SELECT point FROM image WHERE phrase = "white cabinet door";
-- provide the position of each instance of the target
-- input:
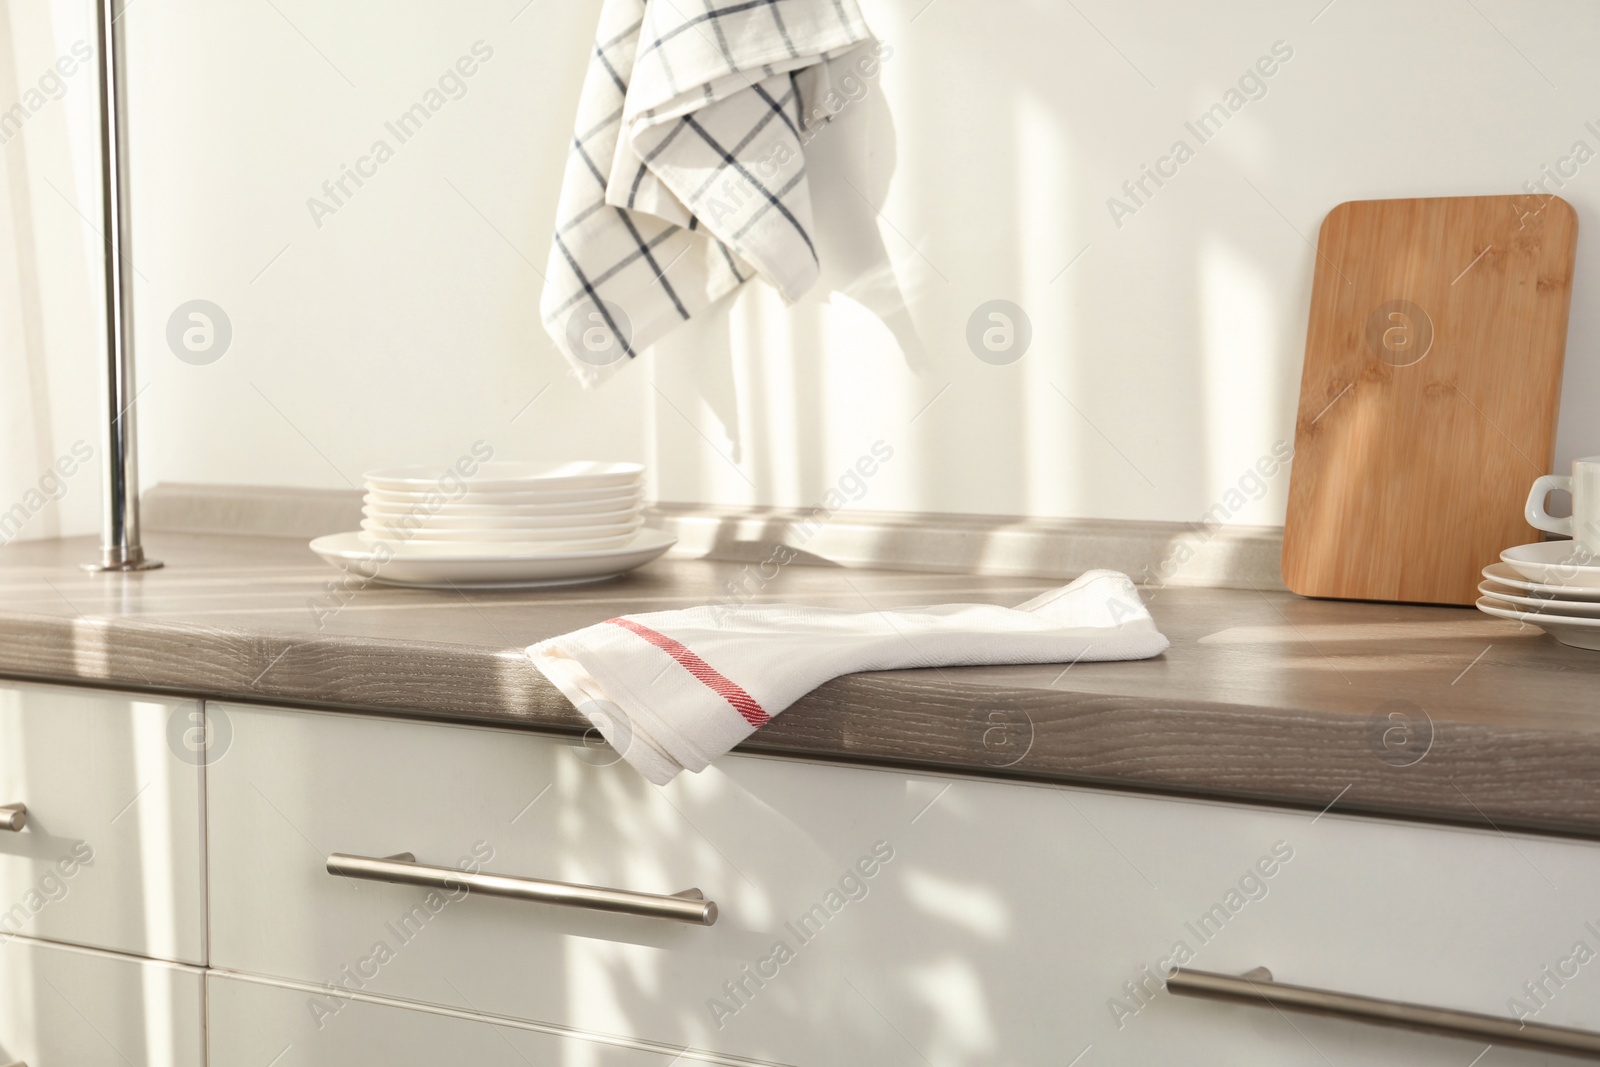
(112, 853)
(869, 916)
(71, 1007)
(254, 1023)
(1032, 919)
(296, 786)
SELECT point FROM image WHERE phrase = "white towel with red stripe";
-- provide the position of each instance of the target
(673, 690)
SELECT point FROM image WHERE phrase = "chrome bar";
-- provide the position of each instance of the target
(120, 548)
(690, 906)
(1259, 989)
(13, 816)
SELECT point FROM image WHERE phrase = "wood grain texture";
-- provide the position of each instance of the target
(1262, 697)
(1429, 397)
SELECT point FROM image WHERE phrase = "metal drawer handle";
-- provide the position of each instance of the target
(1258, 988)
(689, 906)
(13, 817)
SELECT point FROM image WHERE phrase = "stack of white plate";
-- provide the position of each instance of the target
(1554, 585)
(507, 524)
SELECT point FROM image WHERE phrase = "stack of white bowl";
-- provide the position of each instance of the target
(506, 509)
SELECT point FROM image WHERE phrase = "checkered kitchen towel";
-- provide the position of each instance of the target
(687, 172)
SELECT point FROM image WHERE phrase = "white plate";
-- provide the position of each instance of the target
(564, 511)
(1507, 575)
(422, 521)
(538, 498)
(491, 544)
(478, 549)
(390, 530)
(1559, 609)
(433, 569)
(509, 477)
(1579, 633)
(1560, 563)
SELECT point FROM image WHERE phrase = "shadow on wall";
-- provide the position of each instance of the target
(855, 263)
(858, 263)
(997, 195)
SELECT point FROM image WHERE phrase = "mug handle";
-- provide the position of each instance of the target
(1537, 516)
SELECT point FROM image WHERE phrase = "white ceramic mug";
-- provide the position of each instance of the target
(1584, 485)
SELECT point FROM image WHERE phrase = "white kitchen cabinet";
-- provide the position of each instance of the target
(71, 1007)
(112, 854)
(297, 786)
(254, 1022)
(1002, 923)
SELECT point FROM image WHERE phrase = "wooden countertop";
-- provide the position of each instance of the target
(1434, 713)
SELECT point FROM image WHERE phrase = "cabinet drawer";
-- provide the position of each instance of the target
(71, 1007)
(112, 852)
(253, 1022)
(298, 786)
(867, 915)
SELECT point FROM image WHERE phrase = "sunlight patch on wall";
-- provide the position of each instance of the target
(870, 395)
(1238, 324)
(766, 381)
(1048, 241)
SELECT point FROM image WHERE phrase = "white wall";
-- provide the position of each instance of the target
(1163, 362)
(50, 325)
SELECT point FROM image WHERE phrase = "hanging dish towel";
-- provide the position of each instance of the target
(673, 690)
(687, 171)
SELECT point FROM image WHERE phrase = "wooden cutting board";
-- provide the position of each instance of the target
(1429, 399)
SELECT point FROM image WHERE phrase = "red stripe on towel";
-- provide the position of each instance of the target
(742, 702)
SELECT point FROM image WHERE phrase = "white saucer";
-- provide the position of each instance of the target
(1507, 575)
(447, 567)
(1546, 606)
(1579, 633)
(1550, 563)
